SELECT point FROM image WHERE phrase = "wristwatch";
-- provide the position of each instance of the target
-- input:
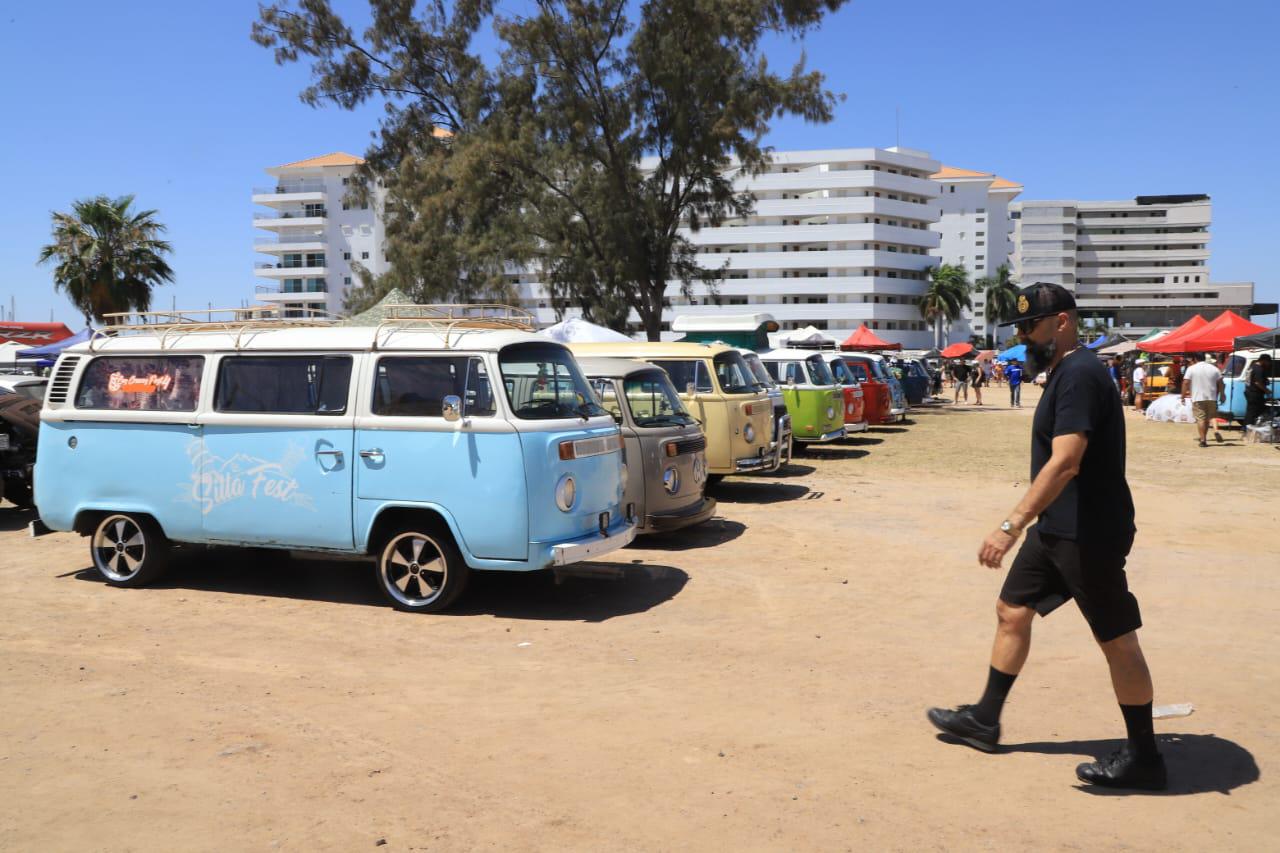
(1009, 527)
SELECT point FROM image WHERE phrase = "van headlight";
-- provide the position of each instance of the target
(749, 433)
(831, 413)
(566, 492)
(671, 480)
(699, 468)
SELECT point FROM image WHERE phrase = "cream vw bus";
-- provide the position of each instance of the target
(721, 393)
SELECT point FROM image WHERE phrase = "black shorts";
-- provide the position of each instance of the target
(1050, 571)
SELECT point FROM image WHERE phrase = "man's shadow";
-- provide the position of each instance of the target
(1197, 763)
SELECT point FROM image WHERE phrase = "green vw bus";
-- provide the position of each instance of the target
(814, 400)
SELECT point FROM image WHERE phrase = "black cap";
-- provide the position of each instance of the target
(1041, 299)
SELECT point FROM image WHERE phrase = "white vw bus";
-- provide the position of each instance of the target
(436, 445)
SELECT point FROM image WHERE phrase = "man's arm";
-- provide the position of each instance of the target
(1062, 468)
(1186, 386)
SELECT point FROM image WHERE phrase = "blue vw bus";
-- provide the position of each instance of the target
(436, 447)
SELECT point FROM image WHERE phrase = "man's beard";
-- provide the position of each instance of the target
(1040, 356)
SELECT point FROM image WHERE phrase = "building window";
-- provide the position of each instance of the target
(346, 281)
(364, 256)
(346, 256)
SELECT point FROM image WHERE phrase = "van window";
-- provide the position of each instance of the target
(608, 397)
(415, 386)
(543, 382)
(684, 372)
(284, 384)
(653, 400)
(142, 383)
(857, 370)
(819, 373)
(841, 372)
(786, 372)
(734, 375)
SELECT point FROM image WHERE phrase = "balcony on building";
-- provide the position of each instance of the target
(293, 266)
(290, 193)
(306, 216)
(312, 290)
(287, 243)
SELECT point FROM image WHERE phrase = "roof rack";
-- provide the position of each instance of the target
(445, 319)
(172, 324)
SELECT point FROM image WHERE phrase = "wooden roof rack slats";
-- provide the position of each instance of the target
(446, 319)
(171, 324)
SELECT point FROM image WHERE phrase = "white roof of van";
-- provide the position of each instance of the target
(792, 352)
(310, 339)
(719, 322)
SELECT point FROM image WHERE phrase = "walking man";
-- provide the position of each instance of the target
(1076, 549)
(960, 373)
(1203, 381)
(1014, 374)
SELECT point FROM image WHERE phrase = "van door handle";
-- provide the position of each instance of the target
(337, 453)
(374, 453)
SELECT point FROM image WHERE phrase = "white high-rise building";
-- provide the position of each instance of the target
(1138, 263)
(976, 233)
(316, 234)
(838, 237)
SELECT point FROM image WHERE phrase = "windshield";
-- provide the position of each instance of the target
(734, 375)
(819, 373)
(653, 400)
(1234, 366)
(543, 382)
(877, 370)
(840, 370)
(757, 370)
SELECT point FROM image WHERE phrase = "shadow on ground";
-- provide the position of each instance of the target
(586, 592)
(12, 518)
(837, 451)
(755, 492)
(713, 532)
(1197, 764)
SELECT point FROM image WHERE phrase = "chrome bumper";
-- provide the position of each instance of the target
(752, 463)
(860, 426)
(695, 514)
(831, 436)
(575, 552)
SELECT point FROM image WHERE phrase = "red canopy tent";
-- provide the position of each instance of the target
(865, 339)
(957, 351)
(1172, 342)
(1219, 335)
(33, 334)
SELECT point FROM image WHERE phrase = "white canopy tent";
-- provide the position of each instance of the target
(576, 330)
(8, 353)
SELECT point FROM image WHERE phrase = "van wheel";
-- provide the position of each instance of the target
(129, 550)
(421, 570)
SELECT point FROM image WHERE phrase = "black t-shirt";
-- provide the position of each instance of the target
(1095, 506)
(960, 372)
(1257, 381)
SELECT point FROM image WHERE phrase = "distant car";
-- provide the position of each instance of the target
(31, 387)
(19, 427)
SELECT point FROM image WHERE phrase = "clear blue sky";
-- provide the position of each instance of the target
(1092, 100)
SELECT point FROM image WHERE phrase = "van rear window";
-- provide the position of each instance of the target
(284, 384)
(141, 383)
(417, 386)
(684, 372)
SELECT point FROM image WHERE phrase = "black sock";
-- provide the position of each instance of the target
(987, 711)
(1142, 733)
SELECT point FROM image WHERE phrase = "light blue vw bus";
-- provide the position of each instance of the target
(435, 446)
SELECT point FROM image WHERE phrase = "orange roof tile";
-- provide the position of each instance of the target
(1002, 184)
(337, 158)
(953, 172)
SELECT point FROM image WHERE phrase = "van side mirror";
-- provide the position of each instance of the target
(689, 388)
(451, 408)
(617, 418)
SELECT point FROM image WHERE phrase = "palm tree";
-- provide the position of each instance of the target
(945, 297)
(108, 257)
(1002, 298)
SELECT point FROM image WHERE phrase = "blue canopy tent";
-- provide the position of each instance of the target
(48, 353)
(1019, 352)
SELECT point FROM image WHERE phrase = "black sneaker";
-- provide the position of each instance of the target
(962, 724)
(1123, 769)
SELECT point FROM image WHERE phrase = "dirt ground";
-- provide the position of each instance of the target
(758, 683)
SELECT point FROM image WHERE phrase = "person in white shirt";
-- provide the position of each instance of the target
(1203, 381)
(1139, 381)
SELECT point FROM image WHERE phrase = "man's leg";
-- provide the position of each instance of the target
(1140, 764)
(1202, 427)
(979, 725)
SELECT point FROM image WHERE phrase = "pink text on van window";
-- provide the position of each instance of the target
(148, 384)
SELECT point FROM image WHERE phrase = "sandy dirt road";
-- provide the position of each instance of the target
(759, 683)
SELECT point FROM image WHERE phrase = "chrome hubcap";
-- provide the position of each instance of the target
(413, 569)
(119, 547)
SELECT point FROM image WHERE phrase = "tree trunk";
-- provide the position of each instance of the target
(650, 309)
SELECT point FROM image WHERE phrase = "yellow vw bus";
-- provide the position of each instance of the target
(719, 390)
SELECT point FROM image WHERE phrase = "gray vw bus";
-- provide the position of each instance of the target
(666, 470)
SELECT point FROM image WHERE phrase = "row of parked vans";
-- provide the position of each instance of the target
(444, 440)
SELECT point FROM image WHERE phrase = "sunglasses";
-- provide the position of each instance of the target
(1024, 327)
